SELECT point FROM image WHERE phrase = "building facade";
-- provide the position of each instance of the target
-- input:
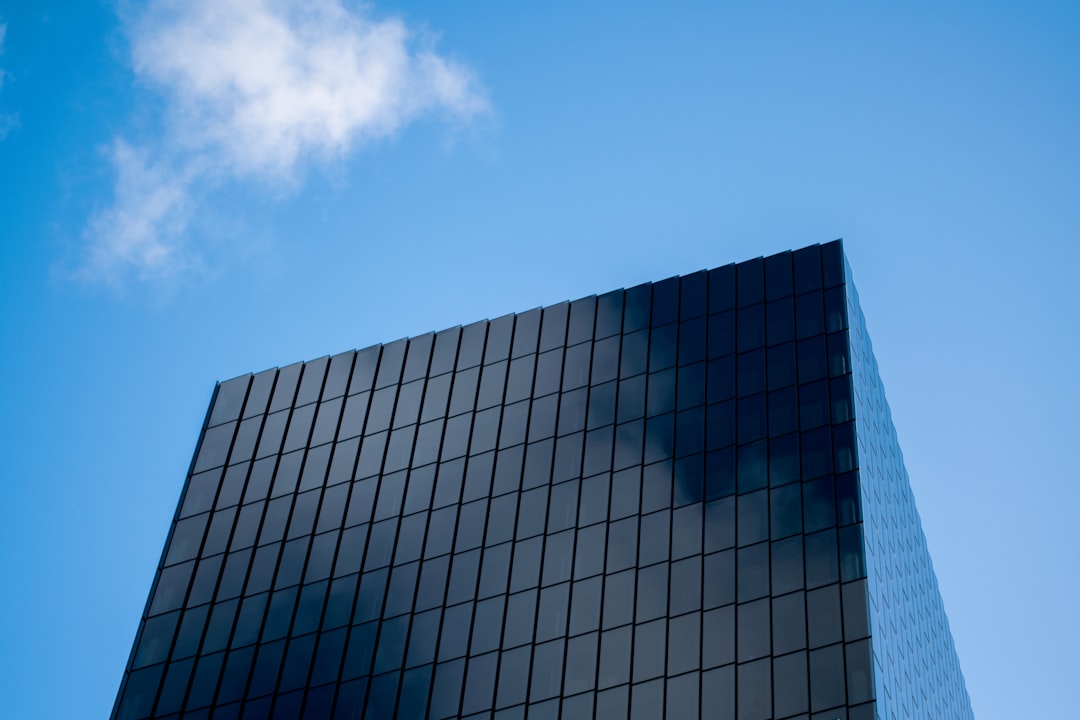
(681, 500)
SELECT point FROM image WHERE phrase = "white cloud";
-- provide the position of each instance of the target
(255, 90)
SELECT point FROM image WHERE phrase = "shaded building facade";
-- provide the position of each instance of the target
(680, 500)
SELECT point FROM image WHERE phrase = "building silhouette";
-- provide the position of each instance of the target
(681, 500)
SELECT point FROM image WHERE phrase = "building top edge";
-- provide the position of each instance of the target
(836, 246)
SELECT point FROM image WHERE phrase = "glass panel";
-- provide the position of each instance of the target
(495, 570)
(785, 507)
(856, 610)
(755, 697)
(750, 281)
(615, 657)
(456, 626)
(789, 623)
(787, 565)
(526, 332)
(622, 545)
(823, 616)
(171, 588)
(547, 670)
(650, 641)
(609, 310)
(491, 385)
(520, 615)
(558, 557)
(691, 386)
(722, 334)
(421, 484)
(399, 595)
(827, 686)
(686, 532)
(259, 395)
(655, 538)
(809, 315)
(585, 607)
(684, 643)
(619, 599)
(229, 400)
(752, 620)
(526, 568)
(581, 656)
(432, 587)
(689, 479)
(553, 334)
(554, 610)
(722, 288)
(752, 466)
(860, 681)
(751, 418)
(790, 685)
(390, 365)
(548, 372)
(445, 351)
(807, 269)
(480, 683)
(753, 572)
(214, 448)
(572, 411)
(472, 345)
(582, 315)
(832, 263)
(635, 354)
(576, 367)
(852, 564)
(312, 381)
(662, 347)
(606, 360)
(562, 506)
(285, 388)
(498, 339)
(156, 639)
(652, 592)
(513, 677)
(479, 476)
(488, 626)
(625, 491)
(718, 693)
(425, 633)
(508, 466)
(446, 689)
(464, 392)
(602, 404)
(542, 418)
(778, 276)
(835, 310)
(821, 559)
(337, 375)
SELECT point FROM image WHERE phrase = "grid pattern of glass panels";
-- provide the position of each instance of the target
(636, 505)
(917, 672)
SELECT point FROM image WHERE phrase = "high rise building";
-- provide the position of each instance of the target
(681, 500)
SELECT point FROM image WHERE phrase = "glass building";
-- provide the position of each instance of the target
(681, 500)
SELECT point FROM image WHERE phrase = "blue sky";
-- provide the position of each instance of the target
(190, 191)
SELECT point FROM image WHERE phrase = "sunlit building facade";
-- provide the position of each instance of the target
(681, 500)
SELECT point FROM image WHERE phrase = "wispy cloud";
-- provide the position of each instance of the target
(3, 34)
(141, 231)
(8, 121)
(255, 90)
